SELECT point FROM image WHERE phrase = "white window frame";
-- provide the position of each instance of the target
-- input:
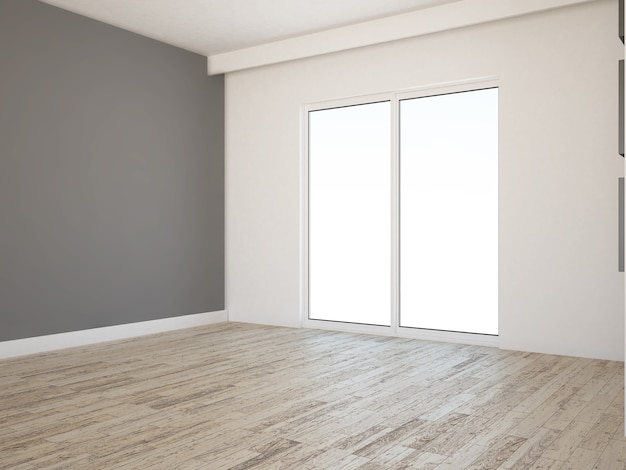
(395, 329)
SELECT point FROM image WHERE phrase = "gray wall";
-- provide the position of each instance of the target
(111, 176)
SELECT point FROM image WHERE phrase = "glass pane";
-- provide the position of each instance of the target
(449, 212)
(349, 214)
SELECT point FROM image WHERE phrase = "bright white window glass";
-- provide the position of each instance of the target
(349, 214)
(449, 212)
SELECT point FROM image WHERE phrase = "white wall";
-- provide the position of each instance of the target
(560, 291)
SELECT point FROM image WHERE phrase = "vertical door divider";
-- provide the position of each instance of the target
(395, 214)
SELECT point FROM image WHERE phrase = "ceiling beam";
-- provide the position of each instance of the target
(431, 20)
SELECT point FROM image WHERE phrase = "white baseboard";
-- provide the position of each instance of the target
(38, 344)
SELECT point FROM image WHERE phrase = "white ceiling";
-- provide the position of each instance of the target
(211, 27)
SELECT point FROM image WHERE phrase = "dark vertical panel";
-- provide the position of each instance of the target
(620, 224)
(111, 176)
(620, 130)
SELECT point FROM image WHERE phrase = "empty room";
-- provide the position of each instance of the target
(281, 234)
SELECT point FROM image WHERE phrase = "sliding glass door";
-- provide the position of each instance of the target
(402, 205)
(449, 212)
(350, 214)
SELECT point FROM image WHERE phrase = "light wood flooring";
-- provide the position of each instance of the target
(244, 396)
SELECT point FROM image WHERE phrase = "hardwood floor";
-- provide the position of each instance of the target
(244, 396)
